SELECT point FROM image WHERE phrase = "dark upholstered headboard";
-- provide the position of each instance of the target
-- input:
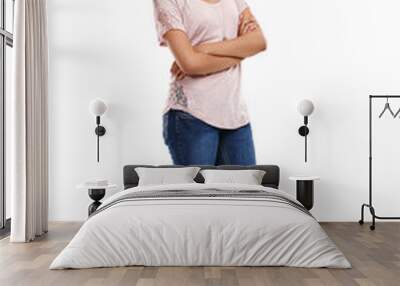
(271, 177)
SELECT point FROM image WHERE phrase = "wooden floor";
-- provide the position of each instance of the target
(375, 257)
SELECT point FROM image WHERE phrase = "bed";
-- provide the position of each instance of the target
(200, 224)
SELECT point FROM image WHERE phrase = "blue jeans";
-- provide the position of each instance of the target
(193, 142)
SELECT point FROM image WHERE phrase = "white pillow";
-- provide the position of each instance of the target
(247, 177)
(166, 176)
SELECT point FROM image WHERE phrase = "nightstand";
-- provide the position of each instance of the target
(305, 190)
(96, 193)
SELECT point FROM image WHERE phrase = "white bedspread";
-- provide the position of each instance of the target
(200, 232)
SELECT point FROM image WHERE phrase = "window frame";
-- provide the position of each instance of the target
(6, 39)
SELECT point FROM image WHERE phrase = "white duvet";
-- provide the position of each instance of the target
(200, 232)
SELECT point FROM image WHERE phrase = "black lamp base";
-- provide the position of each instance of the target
(304, 131)
(100, 130)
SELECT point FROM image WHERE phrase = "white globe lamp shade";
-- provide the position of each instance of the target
(305, 107)
(97, 107)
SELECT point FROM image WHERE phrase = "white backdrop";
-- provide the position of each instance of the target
(333, 52)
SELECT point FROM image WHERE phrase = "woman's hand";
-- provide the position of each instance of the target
(177, 71)
(247, 24)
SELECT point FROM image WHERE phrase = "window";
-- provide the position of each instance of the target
(6, 44)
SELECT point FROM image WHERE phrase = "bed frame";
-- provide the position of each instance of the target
(271, 177)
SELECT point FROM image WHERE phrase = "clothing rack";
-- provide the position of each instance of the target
(370, 204)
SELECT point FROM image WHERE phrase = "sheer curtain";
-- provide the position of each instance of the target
(28, 123)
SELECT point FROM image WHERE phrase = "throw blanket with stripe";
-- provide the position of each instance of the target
(205, 194)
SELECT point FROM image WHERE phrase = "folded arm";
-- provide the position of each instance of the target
(248, 43)
(193, 62)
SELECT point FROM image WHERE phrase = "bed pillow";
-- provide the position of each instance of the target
(166, 176)
(247, 177)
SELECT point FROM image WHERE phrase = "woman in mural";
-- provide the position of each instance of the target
(206, 121)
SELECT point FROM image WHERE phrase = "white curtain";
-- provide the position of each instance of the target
(28, 123)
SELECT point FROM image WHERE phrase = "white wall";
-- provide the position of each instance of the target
(333, 52)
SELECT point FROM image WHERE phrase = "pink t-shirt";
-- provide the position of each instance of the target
(215, 99)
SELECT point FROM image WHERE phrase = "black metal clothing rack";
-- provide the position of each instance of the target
(370, 204)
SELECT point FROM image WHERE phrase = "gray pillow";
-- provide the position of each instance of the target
(247, 177)
(166, 176)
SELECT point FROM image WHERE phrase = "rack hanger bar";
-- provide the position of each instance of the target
(384, 96)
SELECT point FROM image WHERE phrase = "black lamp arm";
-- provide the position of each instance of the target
(304, 131)
(99, 131)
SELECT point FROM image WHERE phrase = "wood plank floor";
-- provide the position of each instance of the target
(375, 257)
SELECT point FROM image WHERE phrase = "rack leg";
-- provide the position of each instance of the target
(374, 216)
(372, 210)
(361, 221)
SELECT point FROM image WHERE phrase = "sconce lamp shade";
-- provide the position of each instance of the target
(305, 107)
(97, 107)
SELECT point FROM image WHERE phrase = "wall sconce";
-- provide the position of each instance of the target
(97, 107)
(305, 108)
